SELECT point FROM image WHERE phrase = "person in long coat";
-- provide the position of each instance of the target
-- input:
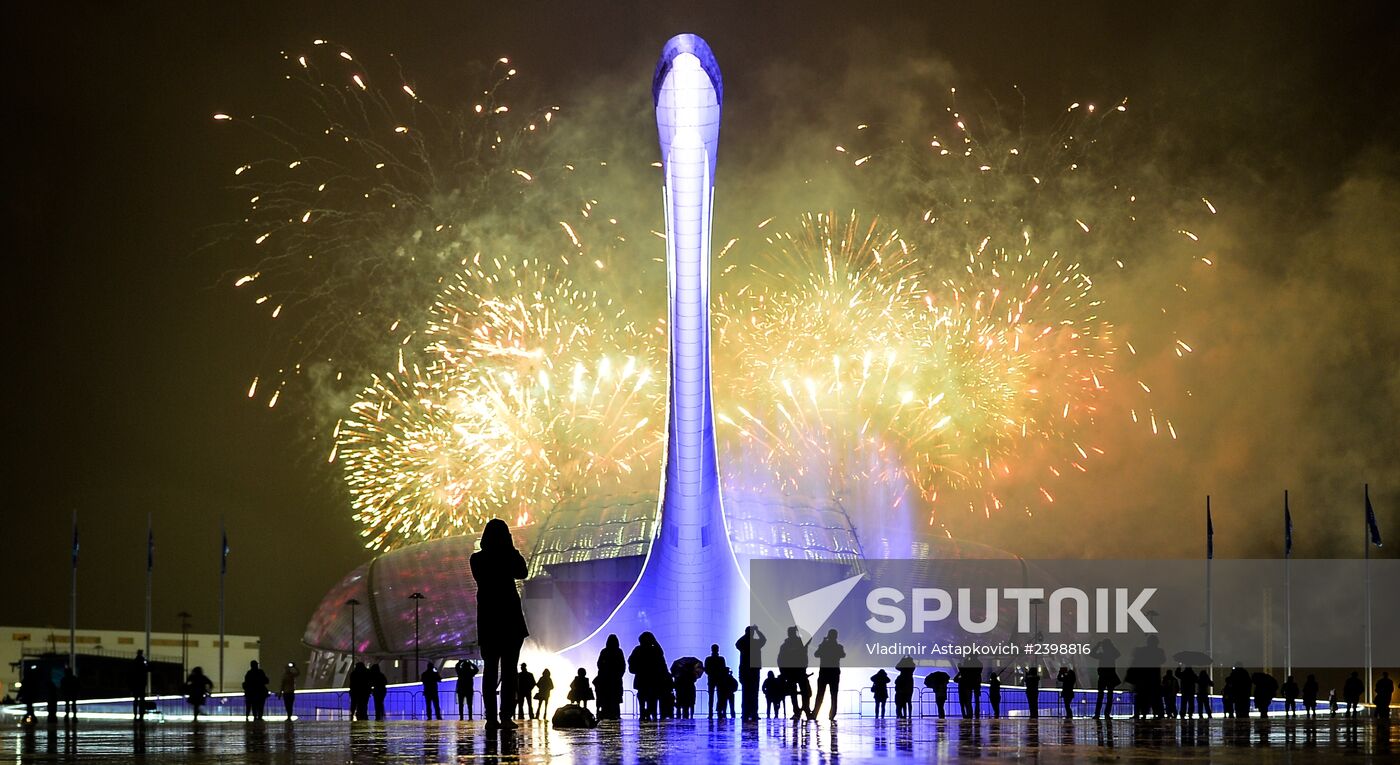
(650, 675)
(500, 619)
(612, 665)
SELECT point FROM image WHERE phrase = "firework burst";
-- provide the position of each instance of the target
(368, 200)
(846, 342)
(538, 390)
(961, 357)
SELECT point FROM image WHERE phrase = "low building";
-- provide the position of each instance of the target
(199, 650)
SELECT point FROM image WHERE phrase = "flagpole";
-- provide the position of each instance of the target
(1210, 557)
(1287, 589)
(1366, 544)
(223, 570)
(73, 602)
(150, 564)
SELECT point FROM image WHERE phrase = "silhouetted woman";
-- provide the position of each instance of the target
(543, 689)
(579, 690)
(197, 689)
(255, 682)
(500, 621)
(880, 689)
(287, 690)
(1032, 683)
(611, 666)
(903, 687)
(650, 677)
(358, 680)
(377, 688)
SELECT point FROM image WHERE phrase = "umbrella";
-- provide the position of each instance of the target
(1192, 657)
(936, 679)
(684, 663)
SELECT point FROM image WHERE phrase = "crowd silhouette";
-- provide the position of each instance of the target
(669, 690)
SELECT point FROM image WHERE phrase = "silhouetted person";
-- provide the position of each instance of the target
(466, 676)
(650, 675)
(500, 622)
(1032, 681)
(776, 695)
(666, 698)
(750, 646)
(938, 681)
(432, 703)
(1146, 677)
(829, 654)
(1290, 695)
(611, 667)
(1332, 703)
(792, 668)
(1310, 697)
(880, 690)
(137, 673)
(715, 668)
(358, 680)
(255, 682)
(198, 686)
(1106, 654)
(68, 689)
(683, 680)
(1170, 687)
(33, 679)
(1203, 688)
(377, 688)
(969, 682)
(1238, 683)
(1351, 693)
(1265, 688)
(728, 688)
(543, 688)
(51, 685)
(287, 689)
(525, 694)
(1384, 689)
(994, 692)
(1066, 679)
(580, 692)
(904, 688)
(1186, 682)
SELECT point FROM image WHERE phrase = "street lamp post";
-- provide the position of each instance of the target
(353, 645)
(184, 642)
(416, 598)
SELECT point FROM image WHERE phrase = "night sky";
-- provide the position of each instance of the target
(130, 353)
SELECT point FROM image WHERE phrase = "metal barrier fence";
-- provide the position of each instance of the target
(406, 702)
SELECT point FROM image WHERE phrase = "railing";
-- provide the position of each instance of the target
(406, 702)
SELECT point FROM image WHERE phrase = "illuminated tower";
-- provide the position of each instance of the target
(690, 590)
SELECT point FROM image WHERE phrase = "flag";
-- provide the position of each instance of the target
(75, 540)
(1210, 533)
(1371, 527)
(1287, 528)
(223, 557)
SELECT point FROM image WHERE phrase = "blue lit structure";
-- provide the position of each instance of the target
(585, 557)
(690, 590)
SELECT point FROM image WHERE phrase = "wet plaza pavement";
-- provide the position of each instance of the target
(855, 739)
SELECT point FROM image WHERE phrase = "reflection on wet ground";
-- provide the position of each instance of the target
(852, 739)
